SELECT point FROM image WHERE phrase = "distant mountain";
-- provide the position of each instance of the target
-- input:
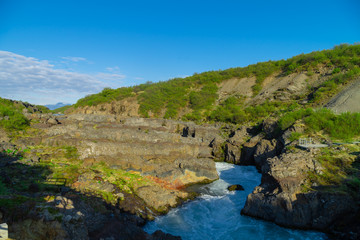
(57, 105)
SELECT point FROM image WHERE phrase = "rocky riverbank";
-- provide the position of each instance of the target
(119, 172)
(290, 193)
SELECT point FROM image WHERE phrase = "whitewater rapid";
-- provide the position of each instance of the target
(215, 214)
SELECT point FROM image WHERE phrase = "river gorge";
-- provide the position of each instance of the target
(216, 213)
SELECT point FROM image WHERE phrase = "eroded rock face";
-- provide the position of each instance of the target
(171, 151)
(280, 198)
(264, 149)
(248, 150)
(233, 146)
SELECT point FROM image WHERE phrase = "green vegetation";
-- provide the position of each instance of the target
(204, 98)
(232, 110)
(42, 109)
(171, 95)
(61, 109)
(331, 86)
(126, 181)
(345, 126)
(341, 171)
(63, 164)
(106, 95)
(11, 117)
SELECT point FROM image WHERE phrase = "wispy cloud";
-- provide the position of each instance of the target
(74, 59)
(110, 76)
(113, 69)
(38, 81)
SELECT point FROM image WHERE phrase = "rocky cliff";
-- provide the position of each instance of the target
(288, 194)
(176, 154)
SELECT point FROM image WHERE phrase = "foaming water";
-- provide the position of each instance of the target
(216, 213)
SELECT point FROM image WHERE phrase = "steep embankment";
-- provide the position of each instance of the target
(307, 79)
(347, 100)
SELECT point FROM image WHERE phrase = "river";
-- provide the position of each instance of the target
(216, 215)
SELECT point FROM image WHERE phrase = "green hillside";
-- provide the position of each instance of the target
(11, 116)
(198, 93)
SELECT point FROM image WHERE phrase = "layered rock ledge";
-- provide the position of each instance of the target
(174, 153)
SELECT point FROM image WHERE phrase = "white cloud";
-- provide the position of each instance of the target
(113, 69)
(39, 82)
(74, 59)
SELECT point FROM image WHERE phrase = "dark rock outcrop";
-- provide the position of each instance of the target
(263, 150)
(235, 187)
(281, 199)
(248, 150)
(233, 147)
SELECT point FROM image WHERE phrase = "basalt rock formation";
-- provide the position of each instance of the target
(167, 155)
(281, 197)
(177, 153)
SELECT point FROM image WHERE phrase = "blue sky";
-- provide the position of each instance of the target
(52, 51)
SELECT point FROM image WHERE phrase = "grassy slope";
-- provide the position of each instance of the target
(11, 116)
(199, 92)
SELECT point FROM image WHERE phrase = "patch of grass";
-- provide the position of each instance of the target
(204, 98)
(108, 197)
(106, 95)
(291, 117)
(126, 181)
(339, 171)
(171, 95)
(11, 117)
(345, 126)
(71, 152)
(231, 110)
(295, 136)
